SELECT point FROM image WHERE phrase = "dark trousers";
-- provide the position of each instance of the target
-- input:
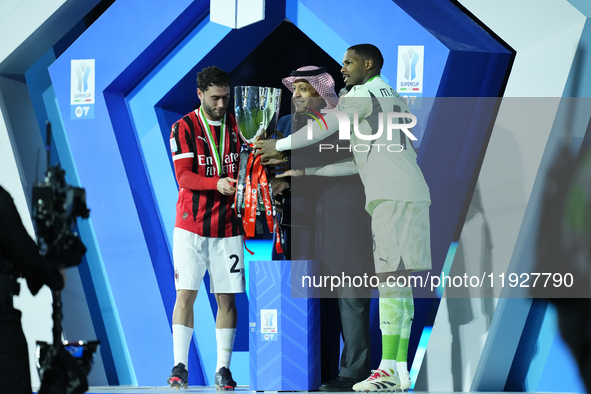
(15, 375)
(343, 245)
(347, 316)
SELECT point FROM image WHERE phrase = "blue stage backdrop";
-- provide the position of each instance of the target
(136, 65)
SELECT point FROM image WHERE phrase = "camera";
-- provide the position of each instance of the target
(56, 205)
(62, 366)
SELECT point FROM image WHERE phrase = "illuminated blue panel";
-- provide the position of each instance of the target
(383, 24)
(99, 160)
(315, 28)
(115, 355)
(560, 362)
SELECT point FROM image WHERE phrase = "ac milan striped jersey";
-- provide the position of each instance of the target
(201, 208)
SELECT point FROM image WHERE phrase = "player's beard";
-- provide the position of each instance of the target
(212, 114)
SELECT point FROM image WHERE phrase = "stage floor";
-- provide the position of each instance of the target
(168, 390)
(203, 390)
(159, 390)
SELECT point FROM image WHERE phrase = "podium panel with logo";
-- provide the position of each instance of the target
(284, 331)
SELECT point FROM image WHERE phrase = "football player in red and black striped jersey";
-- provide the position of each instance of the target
(205, 149)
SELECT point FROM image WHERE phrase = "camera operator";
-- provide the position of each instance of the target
(19, 257)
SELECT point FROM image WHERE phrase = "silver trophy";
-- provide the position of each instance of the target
(256, 110)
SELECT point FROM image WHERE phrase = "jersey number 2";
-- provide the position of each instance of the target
(236, 261)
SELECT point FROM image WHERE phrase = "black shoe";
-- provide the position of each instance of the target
(224, 381)
(179, 377)
(341, 383)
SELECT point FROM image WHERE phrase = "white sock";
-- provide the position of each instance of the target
(225, 341)
(389, 366)
(181, 339)
(402, 368)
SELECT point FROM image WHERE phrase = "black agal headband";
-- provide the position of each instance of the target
(308, 73)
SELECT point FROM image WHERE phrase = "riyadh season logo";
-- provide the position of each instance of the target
(405, 121)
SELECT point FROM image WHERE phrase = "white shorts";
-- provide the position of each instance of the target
(401, 236)
(222, 257)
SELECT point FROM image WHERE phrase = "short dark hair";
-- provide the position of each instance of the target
(369, 51)
(211, 76)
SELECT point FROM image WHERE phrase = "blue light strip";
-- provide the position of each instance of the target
(449, 259)
(547, 332)
(420, 355)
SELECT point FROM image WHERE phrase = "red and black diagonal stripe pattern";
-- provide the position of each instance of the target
(206, 212)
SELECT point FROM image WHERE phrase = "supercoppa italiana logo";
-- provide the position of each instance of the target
(82, 73)
(403, 125)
